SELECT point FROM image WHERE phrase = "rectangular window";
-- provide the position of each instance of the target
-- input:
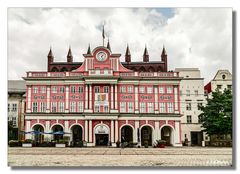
(43, 106)
(162, 108)
(105, 108)
(43, 89)
(80, 89)
(97, 89)
(188, 92)
(97, 108)
(188, 105)
(229, 86)
(142, 89)
(54, 107)
(14, 107)
(72, 106)
(150, 107)
(61, 106)
(161, 90)
(189, 119)
(35, 107)
(219, 86)
(200, 119)
(149, 90)
(106, 89)
(199, 105)
(73, 89)
(169, 89)
(123, 107)
(122, 89)
(130, 89)
(142, 107)
(62, 89)
(80, 106)
(196, 92)
(35, 90)
(130, 107)
(170, 107)
(14, 121)
(8, 107)
(54, 89)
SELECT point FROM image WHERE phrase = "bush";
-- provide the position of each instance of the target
(45, 144)
(161, 142)
(14, 143)
(28, 141)
(146, 144)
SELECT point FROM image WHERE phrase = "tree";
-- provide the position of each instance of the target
(217, 114)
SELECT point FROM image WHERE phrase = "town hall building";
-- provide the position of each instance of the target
(102, 99)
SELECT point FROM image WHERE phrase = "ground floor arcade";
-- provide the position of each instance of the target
(99, 131)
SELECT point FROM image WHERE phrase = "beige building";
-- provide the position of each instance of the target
(191, 97)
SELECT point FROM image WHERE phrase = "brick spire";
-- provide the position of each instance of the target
(145, 55)
(69, 55)
(127, 55)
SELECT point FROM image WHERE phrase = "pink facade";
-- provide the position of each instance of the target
(105, 99)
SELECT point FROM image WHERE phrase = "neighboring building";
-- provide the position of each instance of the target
(191, 97)
(16, 106)
(222, 80)
(101, 99)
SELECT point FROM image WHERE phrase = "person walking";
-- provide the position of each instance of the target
(123, 140)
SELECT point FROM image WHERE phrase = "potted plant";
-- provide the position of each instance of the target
(161, 143)
(118, 144)
(146, 144)
(27, 143)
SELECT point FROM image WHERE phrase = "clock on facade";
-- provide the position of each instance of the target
(101, 56)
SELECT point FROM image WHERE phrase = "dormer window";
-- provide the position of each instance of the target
(223, 76)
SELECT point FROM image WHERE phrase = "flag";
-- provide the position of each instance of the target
(103, 34)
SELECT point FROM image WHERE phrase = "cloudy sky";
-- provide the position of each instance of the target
(193, 37)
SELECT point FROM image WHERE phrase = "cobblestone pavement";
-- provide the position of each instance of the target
(169, 156)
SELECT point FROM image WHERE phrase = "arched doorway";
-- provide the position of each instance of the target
(38, 136)
(146, 135)
(127, 133)
(57, 128)
(76, 134)
(167, 135)
(101, 135)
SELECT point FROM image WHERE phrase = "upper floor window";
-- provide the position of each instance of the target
(43, 106)
(219, 86)
(72, 106)
(229, 86)
(54, 89)
(73, 89)
(14, 121)
(150, 107)
(106, 108)
(188, 105)
(199, 105)
(161, 90)
(200, 119)
(35, 90)
(80, 89)
(189, 119)
(54, 107)
(122, 106)
(80, 106)
(43, 89)
(130, 89)
(169, 89)
(196, 92)
(62, 89)
(142, 89)
(34, 107)
(8, 107)
(97, 89)
(61, 106)
(106, 89)
(149, 90)
(162, 108)
(223, 76)
(170, 107)
(130, 107)
(122, 89)
(142, 107)
(14, 107)
(97, 108)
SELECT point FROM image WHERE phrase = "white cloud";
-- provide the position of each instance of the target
(196, 37)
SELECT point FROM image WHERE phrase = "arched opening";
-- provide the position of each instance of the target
(146, 135)
(127, 133)
(54, 69)
(159, 69)
(151, 69)
(167, 135)
(142, 69)
(38, 136)
(56, 129)
(76, 134)
(101, 132)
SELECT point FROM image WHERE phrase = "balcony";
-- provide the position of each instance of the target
(100, 72)
(150, 74)
(53, 74)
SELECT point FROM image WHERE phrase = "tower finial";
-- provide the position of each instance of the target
(108, 45)
(103, 34)
(145, 55)
(127, 55)
(69, 55)
(89, 49)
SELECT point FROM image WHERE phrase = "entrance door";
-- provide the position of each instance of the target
(101, 139)
(196, 138)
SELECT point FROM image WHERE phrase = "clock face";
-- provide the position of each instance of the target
(101, 56)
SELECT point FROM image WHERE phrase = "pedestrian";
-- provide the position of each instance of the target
(123, 140)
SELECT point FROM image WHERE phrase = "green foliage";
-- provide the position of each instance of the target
(161, 142)
(217, 114)
(28, 141)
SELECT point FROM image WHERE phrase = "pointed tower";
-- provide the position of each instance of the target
(145, 55)
(69, 56)
(108, 45)
(164, 58)
(50, 58)
(89, 50)
(127, 55)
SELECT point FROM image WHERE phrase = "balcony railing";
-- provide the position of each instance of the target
(100, 72)
(150, 74)
(53, 74)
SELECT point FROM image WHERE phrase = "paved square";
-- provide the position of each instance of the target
(156, 157)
